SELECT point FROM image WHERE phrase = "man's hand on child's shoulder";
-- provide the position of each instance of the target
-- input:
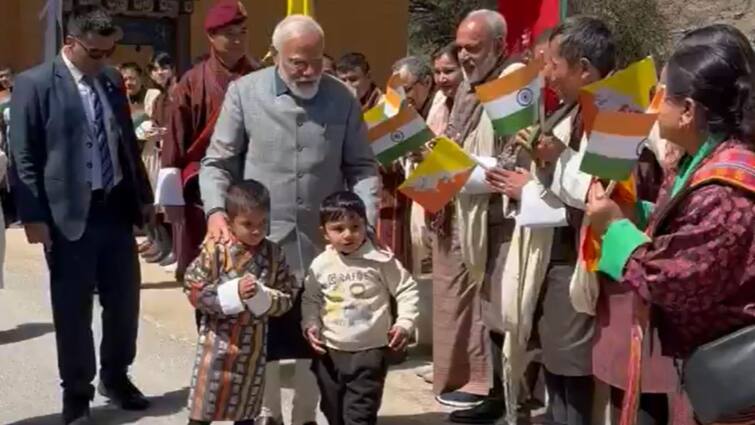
(247, 287)
(398, 338)
(313, 337)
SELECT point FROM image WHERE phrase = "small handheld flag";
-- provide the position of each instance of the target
(438, 178)
(512, 101)
(627, 90)
(616, 143)
(398, 135)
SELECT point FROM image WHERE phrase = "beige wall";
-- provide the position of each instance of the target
(376, 28)
(21, 33)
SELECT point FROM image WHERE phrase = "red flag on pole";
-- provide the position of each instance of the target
(528, 19)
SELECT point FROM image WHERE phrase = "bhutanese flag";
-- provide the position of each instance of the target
(615, 143)
(441, 175)
(627, 90)
(624, 193)
(375, 115)
(512, 101)
(389, 105)
(396, 136)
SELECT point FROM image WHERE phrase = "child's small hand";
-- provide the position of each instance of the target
(313, 337)
(398, 338)
(247, 287)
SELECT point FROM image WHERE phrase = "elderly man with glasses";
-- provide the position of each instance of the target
(300, 132)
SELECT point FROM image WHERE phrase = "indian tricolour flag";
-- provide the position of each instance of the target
(512, 101)
(396, 136)
(615, 143)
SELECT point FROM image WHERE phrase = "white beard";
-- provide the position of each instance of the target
(302, 93)
(307, 93)
(481, 71)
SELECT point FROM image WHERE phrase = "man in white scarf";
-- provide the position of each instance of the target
(542, 256)
(470, 236)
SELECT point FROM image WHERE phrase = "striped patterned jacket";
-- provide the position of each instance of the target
(228, 378)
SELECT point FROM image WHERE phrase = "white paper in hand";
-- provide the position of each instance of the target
(261, 302)
(537, 211)
(476, 184)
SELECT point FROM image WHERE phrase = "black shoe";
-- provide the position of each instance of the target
(486, 413)
(125, 394)
(267, 420)
(76, 411)
(460, 399)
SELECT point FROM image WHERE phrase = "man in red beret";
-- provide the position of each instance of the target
(196, 105)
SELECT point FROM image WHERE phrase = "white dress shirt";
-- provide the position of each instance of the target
(94, 164)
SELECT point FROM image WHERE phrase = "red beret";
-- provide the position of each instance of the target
(224, 13)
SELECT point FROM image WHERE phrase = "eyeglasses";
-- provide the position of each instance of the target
(95, 54)
(301, 65)
(410, 87)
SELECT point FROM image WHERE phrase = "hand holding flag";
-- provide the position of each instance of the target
(601, 209)
(438, 178)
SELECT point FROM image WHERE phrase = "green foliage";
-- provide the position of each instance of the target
(638, 25)
(432, 23)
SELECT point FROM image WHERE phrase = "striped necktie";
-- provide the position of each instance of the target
(100, 135)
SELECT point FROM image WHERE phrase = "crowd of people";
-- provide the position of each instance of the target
(256, 184)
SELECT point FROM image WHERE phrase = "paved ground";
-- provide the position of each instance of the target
(29, 392)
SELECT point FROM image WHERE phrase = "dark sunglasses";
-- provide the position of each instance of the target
(95, 54)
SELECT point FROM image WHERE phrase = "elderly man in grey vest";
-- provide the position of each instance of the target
(301, 134)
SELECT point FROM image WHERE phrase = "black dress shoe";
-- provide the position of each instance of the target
(486, 413)
(267, 420)
(124, 394)
(75, 412)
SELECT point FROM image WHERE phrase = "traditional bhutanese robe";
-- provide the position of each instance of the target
(614, 312)
(697, 268)
(195, 100)
(707, 241)
(228, 378)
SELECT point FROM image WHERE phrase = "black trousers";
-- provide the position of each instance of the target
(653, 410)
(496, 353)
(351, 385)
(569, 399)
(104, 257)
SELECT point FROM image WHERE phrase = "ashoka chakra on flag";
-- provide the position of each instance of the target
(512, 101)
